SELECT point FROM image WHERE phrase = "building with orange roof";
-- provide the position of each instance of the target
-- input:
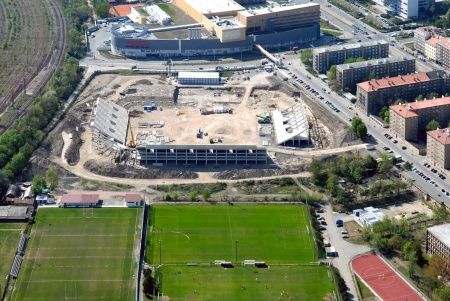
(434, 46)
(438, 147)
(409, 120)
(443, 52)
(430, 48)
(373, 95)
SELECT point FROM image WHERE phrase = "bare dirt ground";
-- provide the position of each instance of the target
(408, 210)
(178, 109)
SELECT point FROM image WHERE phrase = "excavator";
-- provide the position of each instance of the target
(264, 118)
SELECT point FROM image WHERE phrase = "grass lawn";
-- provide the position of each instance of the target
(204, 233)
(80, 254)
(365, 292)
(9, 238)
(297, 283)
(167, 9)
(280, 235)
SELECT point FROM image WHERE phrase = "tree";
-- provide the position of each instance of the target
(419, 97)
(441, 214)
(358, 127)
(102, 10)
(38, 184)
(384, 114)
(370, 162)
(432, 95)
(442, 293)
(372, 75)
(408, 165)
(432, 125)
(385, 164)
(438, 267)
(306, 57)
(192, 196)
(331, 74)
(206, 194)
(318, 174)
(51, 177)
(332, 182)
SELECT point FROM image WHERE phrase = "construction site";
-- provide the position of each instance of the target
(153, 121)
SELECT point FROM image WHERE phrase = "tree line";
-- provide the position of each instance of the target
(19, 141)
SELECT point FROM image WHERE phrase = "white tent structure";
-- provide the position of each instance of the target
(291, 125)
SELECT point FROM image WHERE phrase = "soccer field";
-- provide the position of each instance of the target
(9, 238)
(280, 235)
(80, 254)
(202, 233)
(309, 283)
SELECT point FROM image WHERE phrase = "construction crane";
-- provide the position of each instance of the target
(132, 142)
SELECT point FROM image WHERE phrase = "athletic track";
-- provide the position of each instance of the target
(383, 280)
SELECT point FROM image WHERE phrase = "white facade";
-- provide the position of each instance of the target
(368, 216)
(156, 14)
(198, 78)
(408, 9)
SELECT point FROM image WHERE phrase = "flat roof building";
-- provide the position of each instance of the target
(198, 78)
(16, 213)
(409, 120)
(79, 200)
(438, 240)
(325, 57)
(368, 216)
(438, 147)
(372, 95)
(348, 75)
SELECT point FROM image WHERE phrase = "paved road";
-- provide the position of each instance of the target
(348, 111)
(346, 251)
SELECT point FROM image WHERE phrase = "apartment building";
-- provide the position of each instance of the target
(443, 52)
(325, 57)
(408, 121)
(406, 9)
(432, 45)
(348, 75)
(438, 240)
(372, 95)
(438, 147)
(421, 35)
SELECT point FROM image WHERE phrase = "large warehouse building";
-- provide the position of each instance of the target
(232, 29)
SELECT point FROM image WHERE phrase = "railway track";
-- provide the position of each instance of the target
(52, 62)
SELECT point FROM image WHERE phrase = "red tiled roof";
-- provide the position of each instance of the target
(80, 198)
(408, 110)
(122, 10)
(375, 84)
(441, 135)
(133, 197)
(444, 42)
(433, 40)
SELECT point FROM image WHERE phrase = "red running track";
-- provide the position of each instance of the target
(383, 280)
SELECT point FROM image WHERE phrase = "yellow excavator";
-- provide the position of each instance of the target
(132, 142)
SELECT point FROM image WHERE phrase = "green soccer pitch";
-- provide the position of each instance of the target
(279, 235)
(80, 254)
(9, 239)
